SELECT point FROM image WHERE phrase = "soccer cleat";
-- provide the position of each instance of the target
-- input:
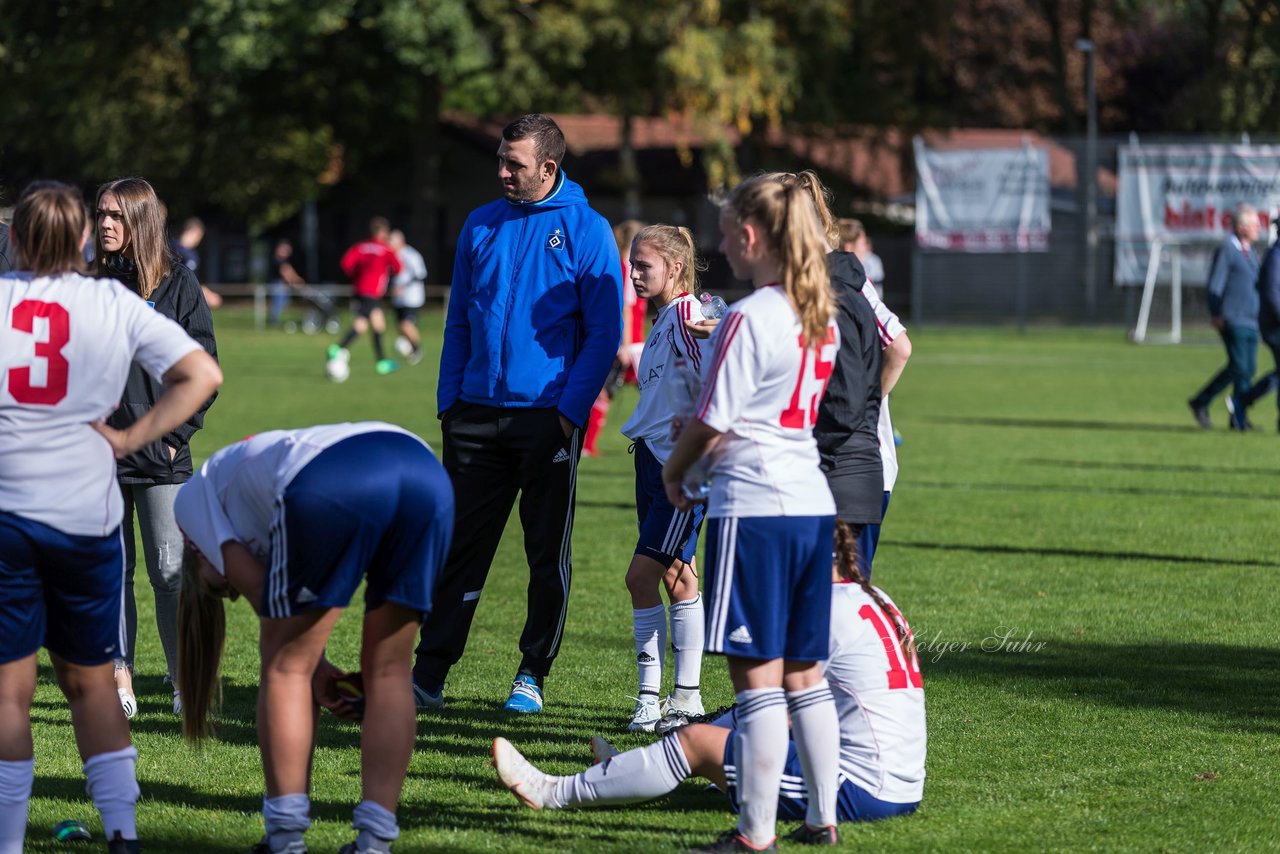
(602, 750)
(806, 835)
(415, 357)
(264, 847)
(339, 353)
(354, 848)
(731, 840)
(424, 699)
(673, 722)
(647, 714)
(526, 696)
(386, 366)
(177, 702)
(128, 702)
(1201, 415)
(530, 786)
(120, 845)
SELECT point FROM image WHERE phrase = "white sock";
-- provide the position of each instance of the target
(15, 795)
(637, 775)
(112, 784)
(650, 627)
(815, 726)
(760, 752)
(286, 818)
(377, 826)
(688, 636)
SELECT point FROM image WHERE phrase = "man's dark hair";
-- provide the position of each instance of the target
(548, 139)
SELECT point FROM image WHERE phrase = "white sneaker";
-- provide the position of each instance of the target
(602, 750)
(679, 711)
(128, 702)
(647, 714)
(526, 782)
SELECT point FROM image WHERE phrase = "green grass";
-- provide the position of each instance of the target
(1053, 489)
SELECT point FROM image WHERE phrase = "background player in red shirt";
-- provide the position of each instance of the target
(370, 264)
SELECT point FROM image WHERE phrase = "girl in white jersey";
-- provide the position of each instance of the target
(770, 513)
(295, 521)
(663, 270)
(875, 676)
(65, 351)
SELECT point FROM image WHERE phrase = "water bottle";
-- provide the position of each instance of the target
(713, 307)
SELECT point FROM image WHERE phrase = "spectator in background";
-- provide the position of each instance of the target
(370, 264)
(185, 248)
(408, 296)
(854, 238)
(1233, 309)
(283, 277)
(1268, 327)
(534, 323)
(131, 248)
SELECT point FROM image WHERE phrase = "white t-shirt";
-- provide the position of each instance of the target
(408, 289)
(669, 341)
(235, 495)
(761, 389)
(66, 343)
(890, 327)
(879, 698)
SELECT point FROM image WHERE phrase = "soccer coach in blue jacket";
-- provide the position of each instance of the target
(534, 323)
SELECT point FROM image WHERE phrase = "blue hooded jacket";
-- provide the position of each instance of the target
(535, 313)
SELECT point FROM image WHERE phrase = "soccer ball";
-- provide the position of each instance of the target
(337, 369)
(404, 347)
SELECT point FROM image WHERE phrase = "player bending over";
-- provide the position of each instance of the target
(875, 678)
(294, 521)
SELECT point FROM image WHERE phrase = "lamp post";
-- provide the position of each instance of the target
(1090, 187)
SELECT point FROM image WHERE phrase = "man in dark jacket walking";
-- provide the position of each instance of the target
(1233, 308)
(534, 322)
(1268, 325)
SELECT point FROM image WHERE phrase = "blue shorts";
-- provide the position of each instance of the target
(853, 803)
(869, 539)
(770, 583)
(666, 534)
(376, 506)
(60, 591)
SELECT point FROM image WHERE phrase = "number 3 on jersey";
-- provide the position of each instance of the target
(54, 388)
(802, 414)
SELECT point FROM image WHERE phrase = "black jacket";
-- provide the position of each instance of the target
(6, 254)
(850, 411)
(178, 298)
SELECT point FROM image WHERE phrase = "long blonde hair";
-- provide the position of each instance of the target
(790, 228)
(674, 244)
(144, 221)
(812, 184)
(202, 633)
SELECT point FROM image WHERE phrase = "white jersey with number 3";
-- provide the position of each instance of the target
(761, 389)
(879, 697)
(66, 343)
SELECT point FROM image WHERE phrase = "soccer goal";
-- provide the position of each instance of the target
(1168, 307)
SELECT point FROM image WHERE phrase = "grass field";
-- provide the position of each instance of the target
(1090, 578)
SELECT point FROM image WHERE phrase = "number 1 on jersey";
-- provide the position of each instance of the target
(904, 670)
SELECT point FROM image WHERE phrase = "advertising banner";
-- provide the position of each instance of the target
(1184, 196)
(982, 200)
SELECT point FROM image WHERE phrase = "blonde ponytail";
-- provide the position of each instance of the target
(202, 631)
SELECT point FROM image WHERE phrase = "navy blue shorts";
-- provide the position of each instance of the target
(666, 534)
(869, 538)
(60, 591)
(375, 506)
(770, 583)
(853, 803)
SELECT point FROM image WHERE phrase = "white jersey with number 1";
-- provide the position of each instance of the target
(66, 343)
(761, 389)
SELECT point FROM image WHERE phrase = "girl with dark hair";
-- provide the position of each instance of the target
(132, 247)
(68, 345)
(265, 520)
(770, 512)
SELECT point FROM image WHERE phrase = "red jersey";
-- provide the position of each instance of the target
(370, 264)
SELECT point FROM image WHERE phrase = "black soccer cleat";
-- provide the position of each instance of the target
(806, 835)
(729, 841)
(119, 845)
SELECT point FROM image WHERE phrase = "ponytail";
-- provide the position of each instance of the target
(849, 563)
(810, 183)
(202, 631)
(788, 219)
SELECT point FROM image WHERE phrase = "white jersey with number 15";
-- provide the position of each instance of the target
(761, 389)
(66, 343)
